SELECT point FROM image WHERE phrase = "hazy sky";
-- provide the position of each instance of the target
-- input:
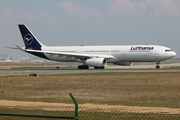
(91, 22)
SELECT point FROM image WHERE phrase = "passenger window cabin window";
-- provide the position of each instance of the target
(168, 50)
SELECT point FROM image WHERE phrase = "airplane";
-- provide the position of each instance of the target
(94, 56)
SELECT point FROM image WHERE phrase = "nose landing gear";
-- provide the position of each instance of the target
(157, 65)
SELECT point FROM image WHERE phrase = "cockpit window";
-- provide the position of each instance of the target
(168, 50)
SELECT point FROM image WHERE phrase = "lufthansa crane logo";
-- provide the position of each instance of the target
(28, 39)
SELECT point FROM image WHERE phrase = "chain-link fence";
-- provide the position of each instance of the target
(39, 110)
(67, 112)
(46, 111)
(105, 114)
(36, 112)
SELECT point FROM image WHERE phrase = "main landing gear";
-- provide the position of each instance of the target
(83, 67)
(98, 67)
(157, 65)
(87, 67)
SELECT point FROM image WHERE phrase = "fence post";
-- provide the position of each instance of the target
(76, 106)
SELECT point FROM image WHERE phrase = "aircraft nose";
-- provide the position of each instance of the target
(174, 54)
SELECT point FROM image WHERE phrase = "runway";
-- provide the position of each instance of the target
(175, 67)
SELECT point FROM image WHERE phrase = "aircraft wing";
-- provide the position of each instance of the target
(78, 55)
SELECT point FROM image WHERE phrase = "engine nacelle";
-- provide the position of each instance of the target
(96, 62)
(124, 63)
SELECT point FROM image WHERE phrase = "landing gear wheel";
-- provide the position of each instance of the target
(83, 67)
(157, 66)
(98, 67)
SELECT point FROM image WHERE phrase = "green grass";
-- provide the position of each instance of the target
(141, 89)
(153, 89)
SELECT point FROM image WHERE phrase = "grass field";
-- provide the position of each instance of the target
(132, 89)
(98, 94)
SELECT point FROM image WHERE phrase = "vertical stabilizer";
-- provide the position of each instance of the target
(30, 41)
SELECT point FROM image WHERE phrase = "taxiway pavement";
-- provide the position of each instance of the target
(134, 68)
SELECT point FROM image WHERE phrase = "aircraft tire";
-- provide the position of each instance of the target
(98, 67)
(157, 66)
(83, 67)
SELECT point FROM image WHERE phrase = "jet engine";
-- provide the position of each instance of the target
(96, 62)
(124, 63)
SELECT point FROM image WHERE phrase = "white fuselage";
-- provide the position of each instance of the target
(95, 56)
(127, 53)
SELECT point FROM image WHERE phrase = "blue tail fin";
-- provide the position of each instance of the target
(29, 39)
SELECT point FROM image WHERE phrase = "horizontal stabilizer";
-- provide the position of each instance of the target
(12, 48)
(20, 48)
(17, 48)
